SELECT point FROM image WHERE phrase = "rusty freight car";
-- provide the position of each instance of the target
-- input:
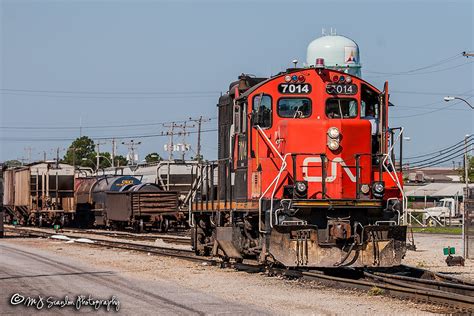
(41, 193)
(143, 205)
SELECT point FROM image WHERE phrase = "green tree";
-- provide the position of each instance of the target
(470, 170)
(105, 160)
(152, 157)
(12, 163)
(81, 153)
(120, 161)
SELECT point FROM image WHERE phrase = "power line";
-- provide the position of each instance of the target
(184, 96)
(436, 64)
(429, 112)
(439, 162)
(19, 139)
(428, 93)
(438, 151)
(90, 127)
(110, 92)
(440, 157)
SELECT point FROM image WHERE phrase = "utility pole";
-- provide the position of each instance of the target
(28, 150)
(199, 121)
(44, 155)
(170, 133)
(184, 146)
(97, 146)
(113, 152)
(466, 197)
(57, 158)
(132, 146)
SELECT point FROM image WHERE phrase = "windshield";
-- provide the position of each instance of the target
(341, 108)
(294, 107)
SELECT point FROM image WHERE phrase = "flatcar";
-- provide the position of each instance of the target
(306, 173)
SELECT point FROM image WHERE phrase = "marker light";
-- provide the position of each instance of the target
(333, 132)
(335, 78)
(301, 78)
(287, 78)
(365, 188)
(333, 144)
(294, 78)
(319, 63)
(348, 79)
(378, 189)
(301, 186)
(342, 78)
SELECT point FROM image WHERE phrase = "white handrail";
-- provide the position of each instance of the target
(395, 178)
(274, 182)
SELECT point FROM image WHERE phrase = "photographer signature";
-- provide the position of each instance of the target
(41, 302)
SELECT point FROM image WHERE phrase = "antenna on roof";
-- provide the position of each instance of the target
(323, 31)
(295, 62)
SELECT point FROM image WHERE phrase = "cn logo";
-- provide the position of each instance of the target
(332, 176)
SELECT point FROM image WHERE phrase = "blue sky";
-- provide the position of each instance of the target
(118, 63)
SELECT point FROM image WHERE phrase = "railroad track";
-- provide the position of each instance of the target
(440, 290)
(172, 239)
(187, 254)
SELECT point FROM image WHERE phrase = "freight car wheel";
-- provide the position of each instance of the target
(139, 226)
(164, 225)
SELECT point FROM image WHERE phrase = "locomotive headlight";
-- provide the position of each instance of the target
(378, 188)
(333, 144)
(301, 186)
(333, 132)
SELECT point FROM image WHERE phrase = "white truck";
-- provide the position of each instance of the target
(441, 212)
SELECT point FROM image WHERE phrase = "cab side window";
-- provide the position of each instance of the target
(262, 110)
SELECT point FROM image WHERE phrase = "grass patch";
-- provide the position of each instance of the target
(438, 230)
(421, 264)
(375, 291)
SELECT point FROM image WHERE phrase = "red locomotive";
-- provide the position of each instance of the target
(306, 174)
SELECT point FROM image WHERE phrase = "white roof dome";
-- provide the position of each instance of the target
(339, 52)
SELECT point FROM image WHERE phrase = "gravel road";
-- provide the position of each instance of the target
(429, 255)
(148, 284)
(33, 272)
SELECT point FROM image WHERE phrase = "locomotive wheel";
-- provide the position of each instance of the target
(62, 221)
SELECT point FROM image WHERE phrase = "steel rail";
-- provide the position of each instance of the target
(187, 254)
(422, 283)
(402, 290)
(184, 240)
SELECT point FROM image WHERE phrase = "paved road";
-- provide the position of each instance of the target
(32, 273)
